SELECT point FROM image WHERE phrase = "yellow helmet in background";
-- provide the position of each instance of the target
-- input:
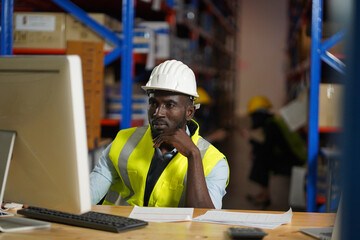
(258, 102)
(204, 97)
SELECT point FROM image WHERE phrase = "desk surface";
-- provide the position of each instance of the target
(179, 230)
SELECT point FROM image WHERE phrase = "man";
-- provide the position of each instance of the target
(165, 164)
(280, 150)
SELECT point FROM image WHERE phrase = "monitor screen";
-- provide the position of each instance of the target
(42, 100)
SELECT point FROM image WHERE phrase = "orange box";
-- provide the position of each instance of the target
(92, 57)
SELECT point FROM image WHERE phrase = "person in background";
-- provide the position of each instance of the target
(165, 164)
(280, 150)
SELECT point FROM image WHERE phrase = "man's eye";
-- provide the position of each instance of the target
(170, 105)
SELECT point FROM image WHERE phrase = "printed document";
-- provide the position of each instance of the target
(158, 214)
(259, 220)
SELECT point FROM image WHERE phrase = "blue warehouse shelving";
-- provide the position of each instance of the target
(123, 46)
(350, 197)
(319, 52)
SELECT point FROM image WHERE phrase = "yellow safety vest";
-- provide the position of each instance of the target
(131, 153)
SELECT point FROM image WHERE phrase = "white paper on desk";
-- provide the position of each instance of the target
(158, 214)
(260, 220)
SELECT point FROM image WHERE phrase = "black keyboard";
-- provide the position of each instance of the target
(95, 220)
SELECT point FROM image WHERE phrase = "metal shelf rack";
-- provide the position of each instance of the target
(319, 52)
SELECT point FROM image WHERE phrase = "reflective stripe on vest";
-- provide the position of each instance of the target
(124, 157)
(113, 196)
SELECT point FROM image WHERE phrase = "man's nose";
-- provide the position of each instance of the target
(160, 110)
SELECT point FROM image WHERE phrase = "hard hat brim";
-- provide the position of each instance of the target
(169, 90)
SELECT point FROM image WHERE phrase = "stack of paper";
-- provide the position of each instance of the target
(158, 214)
(259, 220)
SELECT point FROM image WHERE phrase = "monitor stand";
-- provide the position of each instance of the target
(9, 222)
(7, 140)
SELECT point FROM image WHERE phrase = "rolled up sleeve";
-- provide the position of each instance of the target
(216, 182)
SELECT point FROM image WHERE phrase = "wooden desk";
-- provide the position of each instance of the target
(179, 230)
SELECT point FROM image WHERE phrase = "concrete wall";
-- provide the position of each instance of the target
(262, 40)
(261, 52)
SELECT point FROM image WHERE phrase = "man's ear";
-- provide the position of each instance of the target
(190, 111)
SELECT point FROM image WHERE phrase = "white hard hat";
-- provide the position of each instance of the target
(174, 76)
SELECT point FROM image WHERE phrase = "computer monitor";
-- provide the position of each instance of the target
(41, 99)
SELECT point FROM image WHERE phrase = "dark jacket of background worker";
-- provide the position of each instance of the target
(280, 150)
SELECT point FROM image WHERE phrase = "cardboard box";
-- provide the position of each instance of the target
(77, 31)
(331, 105)
(92, 57)
(328, 30)
(52, 31)
(39, 30)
